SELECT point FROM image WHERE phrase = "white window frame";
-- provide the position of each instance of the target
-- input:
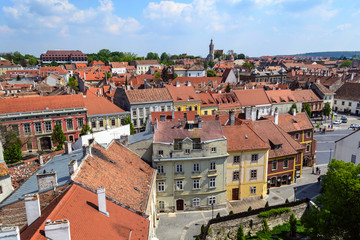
(297, 135)
(27, 128)
(196, 183)
(212, 200)
(161, 204)
(237, 159)
(160, 153)
(161, 186)
(287, 163)
(213, 149)
(252, 173)
(308, 134)
(253, 190)
(272, 165)
(38, 127)
(48, 126)
(212, 182)
(212, 165)
(196, 202)
(160, 169)
(187, 151)
(179, 168)
(254, 157)
(179, 185)
(238, 175)
(196, 167)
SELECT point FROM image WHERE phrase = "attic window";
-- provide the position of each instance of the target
(178, 98)
(190, 97)
(136, 189)
(142, 169)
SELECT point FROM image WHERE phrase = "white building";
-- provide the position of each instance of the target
(347, 98)
(143, 66)
(347, 148)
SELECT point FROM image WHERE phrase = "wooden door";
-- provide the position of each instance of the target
(235, 194)
(179, 204)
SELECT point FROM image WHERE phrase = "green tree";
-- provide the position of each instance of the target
(12, 147)
(249, 209)
(85, 129)
(240, 233)
(33, 61)
(248, 65)
(292, 222)
(346, 63)
(241, 56)
(152, 56)
(266, 226)
(53, 64)
(175, 75)
(211, 73)
(306, 108)
(72, 82)
(292, 107)
(164, 57)
(218, 54)
(266, 204)
(327, 109)
(228, 88)
(58, 136)
(165, 74)
(108, 75)
(206, 65)
(157, 75)
(337, 216)
(211, 64)
(127, 120)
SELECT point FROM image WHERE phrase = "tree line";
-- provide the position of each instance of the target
(18, 58)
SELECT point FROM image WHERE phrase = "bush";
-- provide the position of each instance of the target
(240, 233)
(231, 212)
(203, 229)
(272, 212)
(267, 205)
(287, 201)
(249, 209)
(266, 226)
(218, 215)
(292, 222)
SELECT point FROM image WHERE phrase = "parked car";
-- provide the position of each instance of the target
(344, 119)
(354, 126)
(336, 121)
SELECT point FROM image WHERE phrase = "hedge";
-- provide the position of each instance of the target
(272, 212)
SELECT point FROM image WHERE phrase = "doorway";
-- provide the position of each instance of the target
(179, 205)
(45, 143)
(235, 194)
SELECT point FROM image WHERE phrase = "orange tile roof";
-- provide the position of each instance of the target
(290, 123)
(252, 97)
(305, 95)
(280, 96)
(148, 95)
(99, 105)
(198, 80)
(96, 63)
(183, 93)
(119, 64)
(79, 206)
(43, 103)
(242, 137)
(45, 70)
(226, 100)
(125, 176)
(80, 65)
(190, 115)
(207, 100)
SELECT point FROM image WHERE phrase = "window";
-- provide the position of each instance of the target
(212, 182)
(196, 167)
(48, 126)
(161, 204)
(71, 138)
(179, 185)
(58, 122)
(147, 111)
(69, 124)
(307, 147)
(93, 123)
(135, 122)
(297, 136)
(196, 108)
(274, 165)
(196, 184)
(252, 190)
(253, 174)
(134, 113)
(187, 151)
(353, 159)
(141, 112)
(179, 168)
(179, 109)
(161, 186)
(236, 176)
(349, 104)
(38, 127)
(29, 145)
(308, 134)
(101, 123)
(335, 101)
(162, 108)
(254, 157)
(161, 153)
(141, 122)
(196, 202)
(236, 159)
(212, 200)
(212, 166)
(27, 129)
(160, 169)
(286, 163)
(80, 122)
(343, 103)
(205, 113)
(113, 123)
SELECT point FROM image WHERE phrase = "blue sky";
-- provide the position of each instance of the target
(253, 27)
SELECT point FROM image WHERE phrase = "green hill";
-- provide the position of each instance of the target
(334, 54)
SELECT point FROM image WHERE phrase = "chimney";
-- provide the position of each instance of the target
(32, 207)
(10, 233)
(41, 159)
(253, 114)
(248, 113)
(73, 165)
(57, 230)
(156, 124)
(173, 115)
(68, 148)
(102, 200)
(46, 180)
(294, 112)
(177, 84)
(189, 83)
(276, 116)
(199, 123)
(87, 150)
(231, 117)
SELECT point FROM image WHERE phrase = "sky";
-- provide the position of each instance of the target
(252, 27)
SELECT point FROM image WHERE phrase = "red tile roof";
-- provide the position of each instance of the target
(79, 206)
(226, 100)
(168, 131)
(16, 105)
(100, 105)
(80, 65)
(207, 100)
(45, 70)
(148, 95)
(252, 97)
(183, 93)
(280, 96)
(6, 63)
(198, 80)
(190, 116)
(119, 64)
(97, 63)
(3, 169)
(125, 176)
(305, 95)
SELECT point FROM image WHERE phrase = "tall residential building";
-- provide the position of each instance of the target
(64, 56)
(190, 157)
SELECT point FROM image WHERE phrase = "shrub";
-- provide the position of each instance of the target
(249, 209)
(240, 233)
(267, 205)
(231, 212)
(202, 229)
(272, 212)
(292, 222)
(287, 201)
(266, 226)
(218, 215)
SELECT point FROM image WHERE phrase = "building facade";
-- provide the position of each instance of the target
(143, 66)
(190, 157)
(67, 56)
(347, 99)
(347, 149)
(184, 98)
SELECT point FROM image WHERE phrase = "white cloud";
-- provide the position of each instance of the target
(117, 25)
(5, 29)
(343, 26)
(167, 9)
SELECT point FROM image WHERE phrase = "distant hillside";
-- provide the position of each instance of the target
(335, 54)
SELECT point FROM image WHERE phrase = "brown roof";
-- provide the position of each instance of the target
(183, 93)
(198, 80)
(206, 100)
(190, 116)
(242, 137)
(17, 105)
(280, 96)
(350, 91)
(6, 63)
(99, 105)
(79, 207)
(274, 135)
(119, 64)
(290, 123)
(125, 176)
(305, 95)
(148, 95)
(226, 100)
(3, 169)
(168, 131)
(252, 97)
(323, 89)
(146, 62)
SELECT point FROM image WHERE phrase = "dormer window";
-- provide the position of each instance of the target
(162, 118)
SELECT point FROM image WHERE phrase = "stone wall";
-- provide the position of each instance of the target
(227, 226)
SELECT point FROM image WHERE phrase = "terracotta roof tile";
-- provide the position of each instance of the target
(100, 105)
(125, 176)
(183, 93)
(280, 96)
(148, 95)
(3, 169)
(290, 123)
(305, 95)
(252, 97)
(206, 100)
(349, 91)
(226, 100)
(190, 116)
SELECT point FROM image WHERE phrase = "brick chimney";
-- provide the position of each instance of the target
(46, 180)
(9, 233)
(102, 200)
(276, 116)
(57, 230)
(294, 112)
(73, 165)
(32, 207)
(68, 148)
(231, 117)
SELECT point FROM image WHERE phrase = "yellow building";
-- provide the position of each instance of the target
(208, 105)
(246, 168)
(185, 98)
(6, 65)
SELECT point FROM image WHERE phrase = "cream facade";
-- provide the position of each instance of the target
(102, 122)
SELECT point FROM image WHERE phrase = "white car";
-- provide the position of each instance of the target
(336, 121)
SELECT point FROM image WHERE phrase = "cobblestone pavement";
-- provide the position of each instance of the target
(243, 205)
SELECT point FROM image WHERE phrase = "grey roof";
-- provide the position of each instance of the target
(59, 164)
(140, 137)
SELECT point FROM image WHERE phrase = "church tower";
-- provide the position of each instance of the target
(210, 57)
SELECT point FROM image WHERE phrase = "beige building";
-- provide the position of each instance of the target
(190, 157)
